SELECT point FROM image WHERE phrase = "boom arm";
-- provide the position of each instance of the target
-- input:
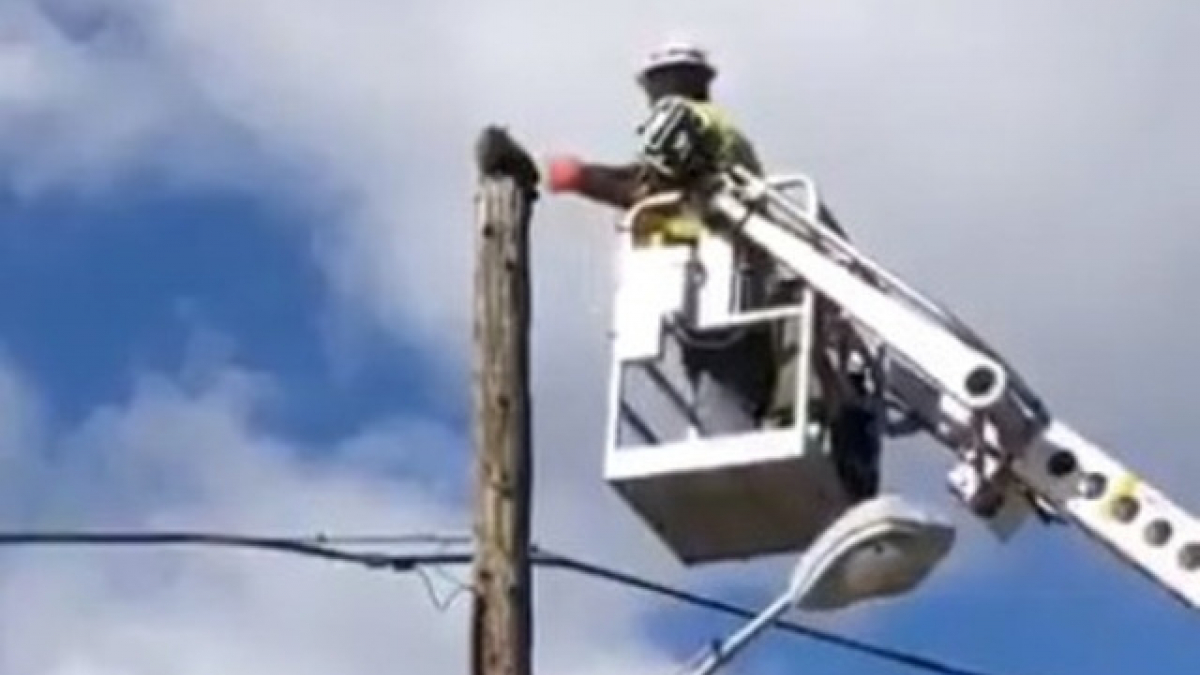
(1015, 457)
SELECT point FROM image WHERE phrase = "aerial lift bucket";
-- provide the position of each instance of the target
(710, 493)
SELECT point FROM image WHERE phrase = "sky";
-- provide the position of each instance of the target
(235, 272)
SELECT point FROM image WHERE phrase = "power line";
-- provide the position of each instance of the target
(387, 539)
(295, 545)
(414, 562)
(909, 659)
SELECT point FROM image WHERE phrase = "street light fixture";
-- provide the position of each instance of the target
(881, 548)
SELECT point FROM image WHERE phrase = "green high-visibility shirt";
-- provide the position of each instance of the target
(682, 225)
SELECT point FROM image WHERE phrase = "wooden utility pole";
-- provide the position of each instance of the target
(502, 617)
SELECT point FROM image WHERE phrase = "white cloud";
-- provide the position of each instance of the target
(1039, 140)
(178, 457)
(1048, 140)
(88, 115)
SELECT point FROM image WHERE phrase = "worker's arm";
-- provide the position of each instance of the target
(617, 185)
(620, 186)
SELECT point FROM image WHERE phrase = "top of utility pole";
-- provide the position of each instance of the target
(498, 155)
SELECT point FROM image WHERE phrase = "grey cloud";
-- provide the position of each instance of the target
(181, 456)
(1031, 165)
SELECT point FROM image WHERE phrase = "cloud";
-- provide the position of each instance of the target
(1003, 158)
(1048, 140)
(178, 456)
(83, 110)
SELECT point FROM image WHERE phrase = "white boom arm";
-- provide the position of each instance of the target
(1016, 458)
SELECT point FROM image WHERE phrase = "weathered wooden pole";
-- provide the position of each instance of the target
(502, 616)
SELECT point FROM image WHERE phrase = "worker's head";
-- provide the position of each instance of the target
(677, 68)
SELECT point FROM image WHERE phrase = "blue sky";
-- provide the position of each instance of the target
(97, 288)
(234, 266)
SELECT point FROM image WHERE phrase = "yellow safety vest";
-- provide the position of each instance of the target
(682, 225)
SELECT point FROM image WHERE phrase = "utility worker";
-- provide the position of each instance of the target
(732, 371)
(676, 69)
(751, 369)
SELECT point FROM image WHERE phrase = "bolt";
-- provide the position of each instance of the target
(981, 381)
(1061, 464)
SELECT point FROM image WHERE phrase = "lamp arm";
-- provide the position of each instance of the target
(725, 650)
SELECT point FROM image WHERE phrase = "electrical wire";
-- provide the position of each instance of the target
(387, 539)
(415, 562)
(897, 656)
(300, 546)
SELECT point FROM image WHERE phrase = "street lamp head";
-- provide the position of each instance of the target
(881, 548)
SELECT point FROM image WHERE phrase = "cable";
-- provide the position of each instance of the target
(294, 545)
(909, 659)
(386, 539)
(414, 562)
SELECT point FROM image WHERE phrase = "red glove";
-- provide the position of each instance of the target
(564, 173)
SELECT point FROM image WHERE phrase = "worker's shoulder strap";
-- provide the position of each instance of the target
(736, 144)
(715, 115)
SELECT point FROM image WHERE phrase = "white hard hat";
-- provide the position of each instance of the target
(676, 53)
